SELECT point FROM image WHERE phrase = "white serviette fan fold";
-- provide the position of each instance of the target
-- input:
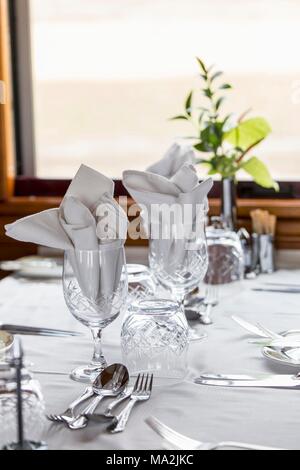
(173, 180)
(87, 219)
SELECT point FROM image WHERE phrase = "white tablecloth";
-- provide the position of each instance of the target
(266, 417)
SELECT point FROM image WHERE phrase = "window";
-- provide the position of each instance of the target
(107, 75)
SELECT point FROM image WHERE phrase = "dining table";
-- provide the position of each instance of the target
(269, 417)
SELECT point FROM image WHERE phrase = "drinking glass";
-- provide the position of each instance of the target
(33, 408)
(155, 338)
(95, 289)
(179, 262)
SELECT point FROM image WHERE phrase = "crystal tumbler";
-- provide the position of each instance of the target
(155, 338)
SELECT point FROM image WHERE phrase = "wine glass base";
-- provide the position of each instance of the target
(86, 374)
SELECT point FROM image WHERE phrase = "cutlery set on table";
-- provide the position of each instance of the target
(112, 382)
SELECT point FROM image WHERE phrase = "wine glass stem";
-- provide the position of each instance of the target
(98, 358)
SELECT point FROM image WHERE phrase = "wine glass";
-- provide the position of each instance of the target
(95, 289)
(179, 263)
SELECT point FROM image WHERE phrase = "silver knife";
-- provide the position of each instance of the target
(34, 331)
(270, 382)
(279, 291)
(236, 377)
(282, 284)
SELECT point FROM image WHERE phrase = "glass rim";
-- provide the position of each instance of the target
(150, 307)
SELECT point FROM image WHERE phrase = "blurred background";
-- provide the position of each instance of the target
(97, 81)
(108, 75)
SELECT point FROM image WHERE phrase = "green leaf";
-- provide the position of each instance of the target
(219, 102)
(216, 75)
(207, 92)
(203, 147)
(212, 135)
(225, 86)
(201, 161)
(260, 173)
(181, 116)
(248, 133)
(202, 66)
(188, 103)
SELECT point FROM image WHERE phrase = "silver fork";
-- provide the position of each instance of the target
(177, 441)
(141, 392)
(69, 414)
(210, 301)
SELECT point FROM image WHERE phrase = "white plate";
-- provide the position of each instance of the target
(35, 267)
(284, 351)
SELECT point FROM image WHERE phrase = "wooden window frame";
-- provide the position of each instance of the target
(7, 170)
(21, 196)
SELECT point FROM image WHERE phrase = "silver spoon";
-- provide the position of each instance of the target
(109, 383)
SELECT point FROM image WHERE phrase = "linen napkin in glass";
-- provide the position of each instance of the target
(87, 219)
(181, 189)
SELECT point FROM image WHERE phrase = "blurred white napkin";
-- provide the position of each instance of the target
(173, 160)
(75, 225)
(182, 188)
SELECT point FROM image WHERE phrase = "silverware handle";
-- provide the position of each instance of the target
(277, 291)
(123, 417)
(89, 410)
(88, 393)
(242, 445)
(228, 377)
(115, 403)
(263, 383)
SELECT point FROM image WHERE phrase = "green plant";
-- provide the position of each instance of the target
(226, 142)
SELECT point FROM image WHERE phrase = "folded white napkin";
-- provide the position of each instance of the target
(182, 188)
(87, 219)
(175, 157)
